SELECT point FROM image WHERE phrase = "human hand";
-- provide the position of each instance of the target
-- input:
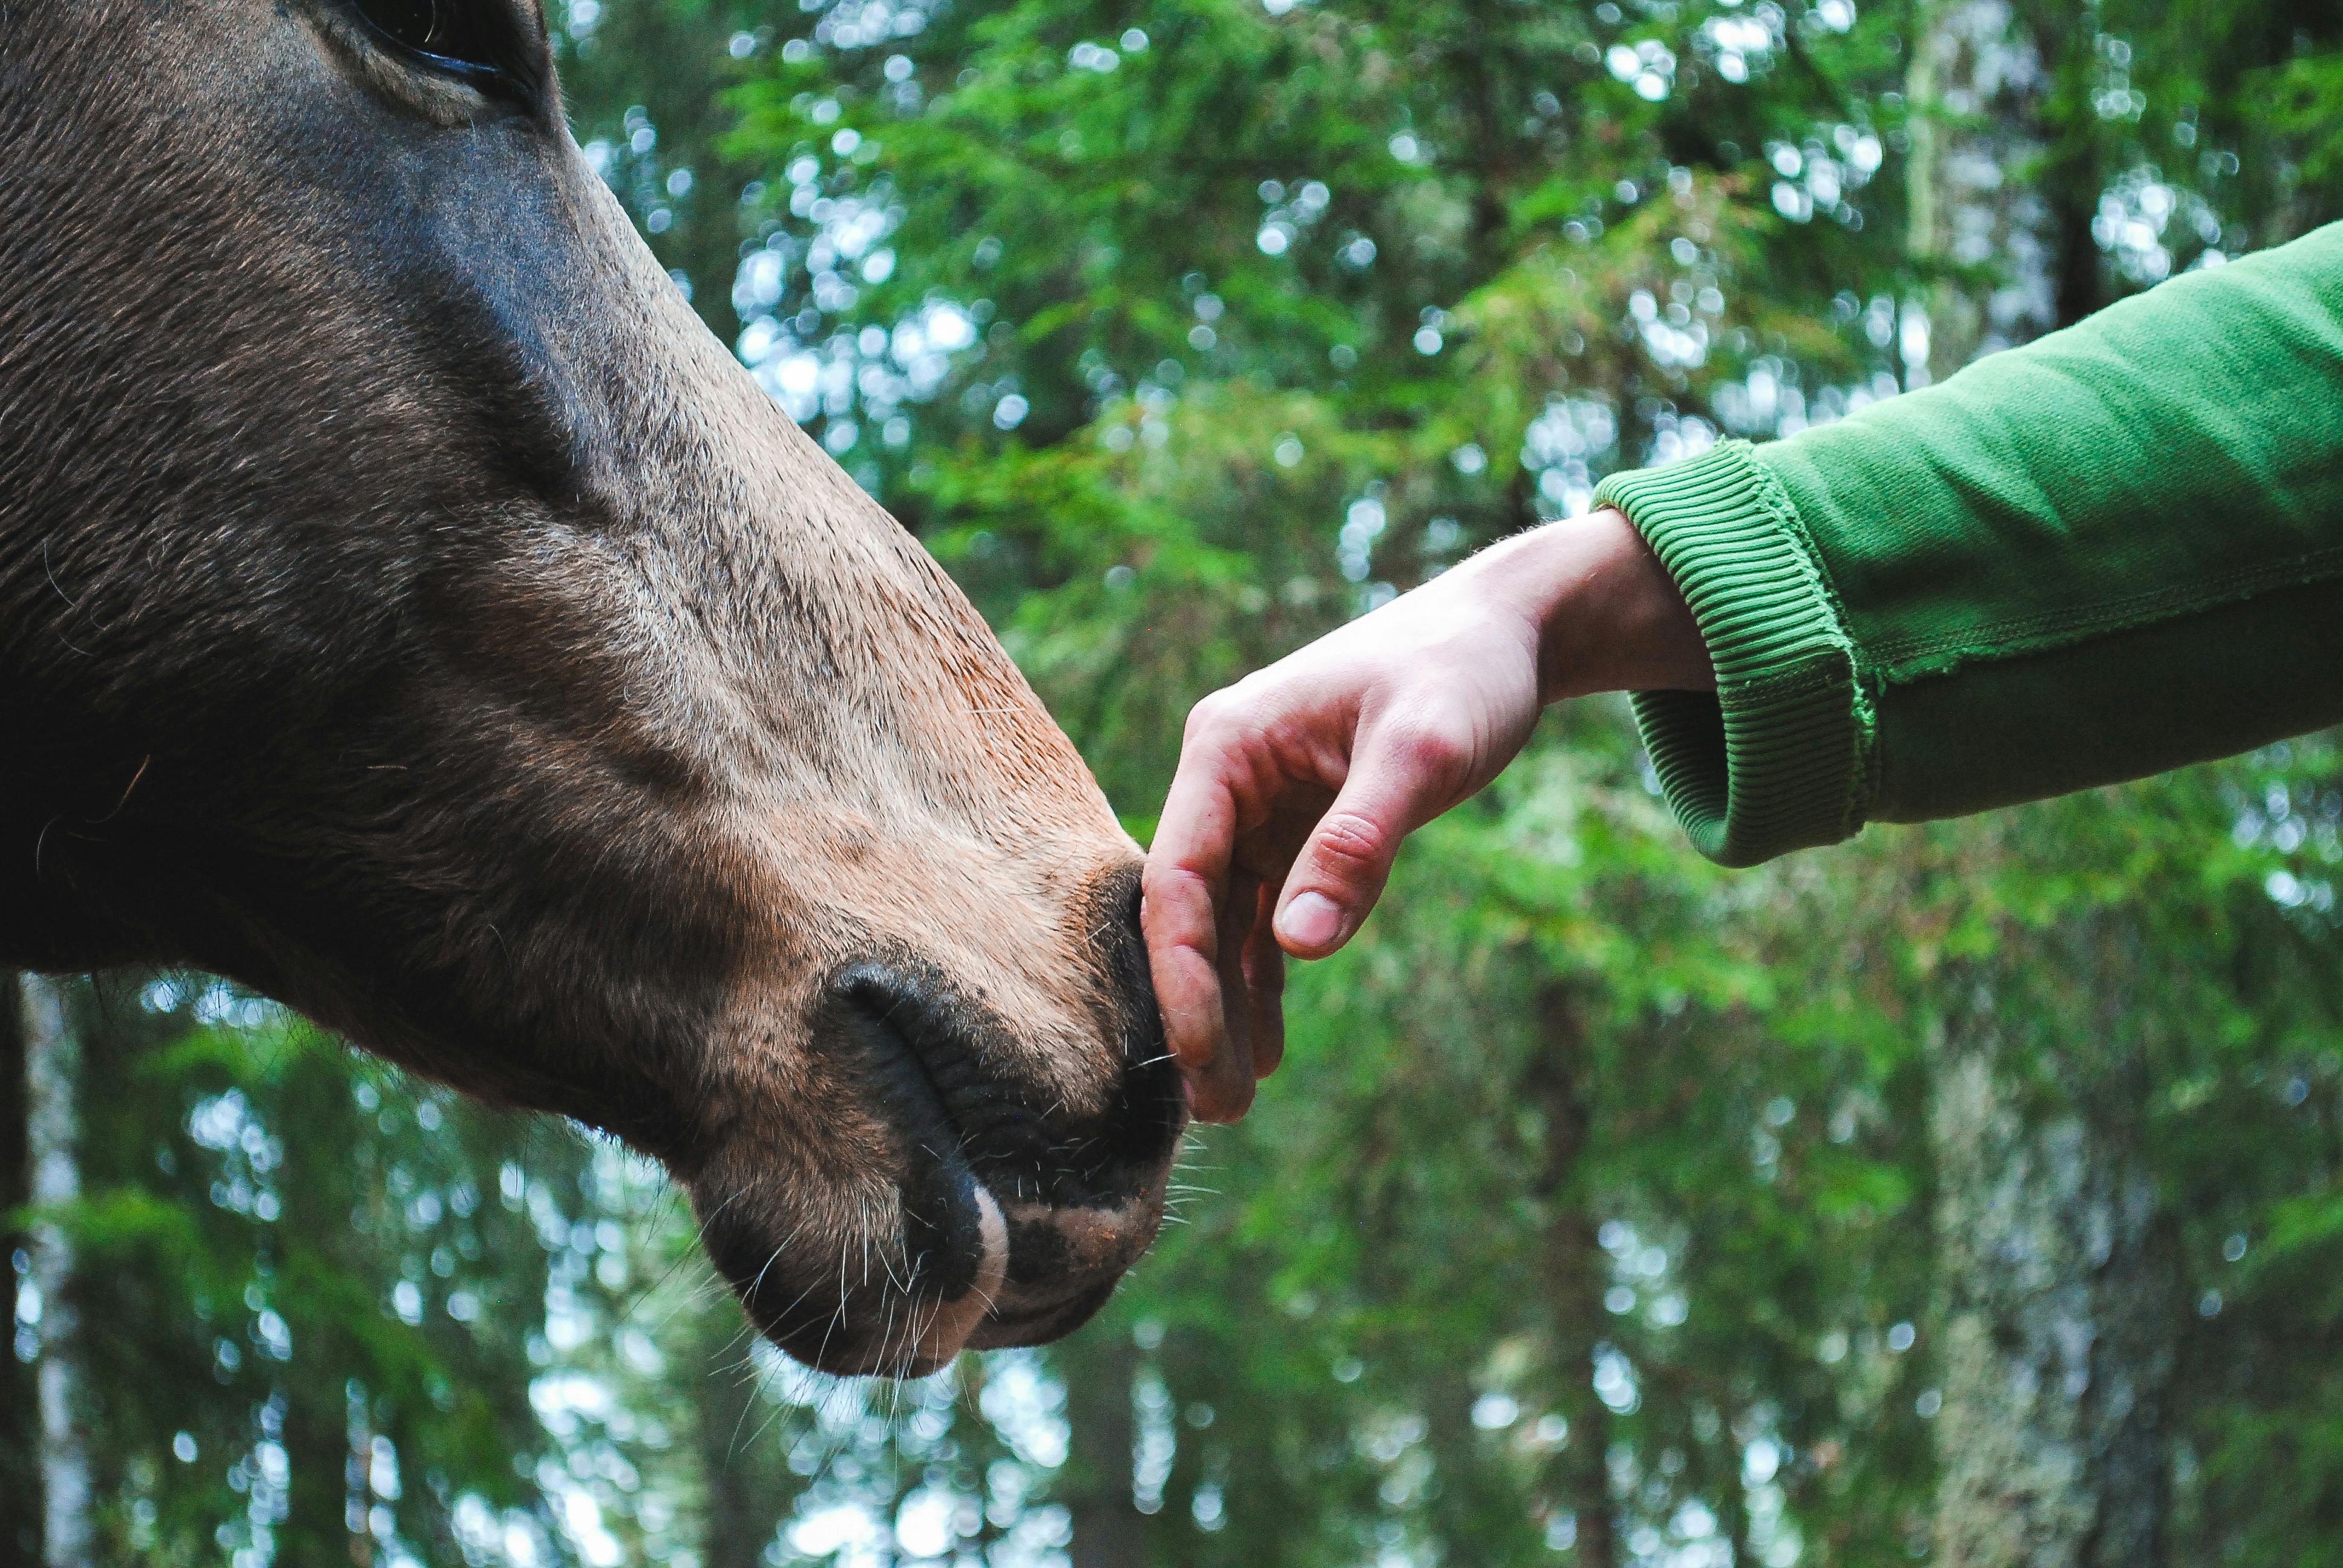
(1296, 785)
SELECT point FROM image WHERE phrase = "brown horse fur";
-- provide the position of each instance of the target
(408, 609)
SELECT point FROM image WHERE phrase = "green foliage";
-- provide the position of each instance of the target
(1597, 1187)
(290, 1261)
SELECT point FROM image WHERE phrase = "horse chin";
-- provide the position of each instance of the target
(951, 1327)
(1029, 1273)
(1086, 1252)
(1064, 1264)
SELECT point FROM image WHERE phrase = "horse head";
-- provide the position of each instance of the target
(408, 609)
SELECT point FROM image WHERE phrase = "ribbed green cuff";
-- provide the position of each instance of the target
(1779, 758)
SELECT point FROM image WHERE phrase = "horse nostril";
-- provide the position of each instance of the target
(919, 1013)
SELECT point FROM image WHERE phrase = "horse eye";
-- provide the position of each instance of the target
(475, 40)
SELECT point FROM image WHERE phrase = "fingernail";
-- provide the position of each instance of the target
(1310, 920)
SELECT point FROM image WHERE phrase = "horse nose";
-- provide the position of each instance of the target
(1065, 1255)
(1026, 1180)
(1121, 952)
(1150, 1077)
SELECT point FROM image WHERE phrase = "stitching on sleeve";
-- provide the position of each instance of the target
(1907, 657)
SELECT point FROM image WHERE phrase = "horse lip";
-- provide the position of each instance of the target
(923, 1052)
(907, 1047)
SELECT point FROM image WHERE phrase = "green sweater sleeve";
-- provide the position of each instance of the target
(2114, 550)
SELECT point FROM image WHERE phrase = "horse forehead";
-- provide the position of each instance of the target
(648, 541)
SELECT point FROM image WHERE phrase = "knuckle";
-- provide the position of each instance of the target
(1238, 724)
(1207, 711)
(1428, 746)
(1349, 842)
(1219, 717)
(1165, 890)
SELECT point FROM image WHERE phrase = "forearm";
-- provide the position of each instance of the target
(1604, 613)
(2076, 562)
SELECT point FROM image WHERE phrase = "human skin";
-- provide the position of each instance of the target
(1297, 785)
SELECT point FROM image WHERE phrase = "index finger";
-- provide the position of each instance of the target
(1185, 884)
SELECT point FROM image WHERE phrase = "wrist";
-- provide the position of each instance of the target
(1605, 614)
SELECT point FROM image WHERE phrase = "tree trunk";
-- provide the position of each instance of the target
(749, 1488)
(20, 1398)
(2059, 1315)
(52, 1059)
(1977, 86)
(320, 1524)
(736, 1529)
(2061, 1312)
(1109, 1530)
(358, 1474)
(1559, 1080)
(1733, 1507)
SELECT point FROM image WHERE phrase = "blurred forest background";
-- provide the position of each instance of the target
(1971, 1194)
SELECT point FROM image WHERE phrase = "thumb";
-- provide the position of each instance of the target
(1403, 775)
